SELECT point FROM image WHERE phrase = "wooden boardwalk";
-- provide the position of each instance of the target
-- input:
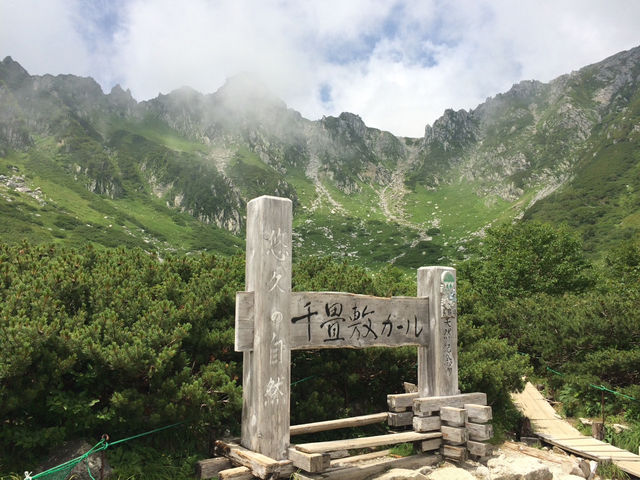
(548, 425)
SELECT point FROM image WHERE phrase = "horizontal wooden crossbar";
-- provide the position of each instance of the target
(341, 320)
(366, 442)
(427, 405)
(338, 424)
(260, 465)
(364, 466)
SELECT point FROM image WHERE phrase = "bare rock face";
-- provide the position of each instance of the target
(518, 468)
(401, 474)
(450, 473)
(73, 449)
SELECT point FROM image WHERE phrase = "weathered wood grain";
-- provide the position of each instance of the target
(399, 402)
(210, 467)
(479, 449)
(343, 320)
(454, 453)
(427, 405)
(243, 330)
(479, 431)
(366, 442)
(426, 424)
(266, 370)
(438, 362)
(429, 445)
(478, 413)
(260, 465)
(454, 416)
(339, 423)
(310, 462)
(454, 435)
(361, 472)
(236, 473)
(400, 419)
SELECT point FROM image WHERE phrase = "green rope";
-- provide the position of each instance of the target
(65, 468)
(302, 380)
(145, 433)
(599, 387)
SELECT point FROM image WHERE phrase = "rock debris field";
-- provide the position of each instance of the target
(512, 461)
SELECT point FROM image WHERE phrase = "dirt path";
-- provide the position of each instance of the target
(391, 198)
(321, 191)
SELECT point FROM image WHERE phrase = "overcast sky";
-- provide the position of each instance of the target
(398, 64)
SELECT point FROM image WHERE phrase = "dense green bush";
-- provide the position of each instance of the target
(531, 285)
(357, 381)
(121, 341)
(112, 341)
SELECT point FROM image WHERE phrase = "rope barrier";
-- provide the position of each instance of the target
(63, 470)
(302, 380)
(598, 387)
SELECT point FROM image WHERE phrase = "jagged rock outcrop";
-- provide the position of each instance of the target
(207, 154)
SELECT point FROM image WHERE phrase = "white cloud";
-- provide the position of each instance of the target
(398, 64)
(41, 36)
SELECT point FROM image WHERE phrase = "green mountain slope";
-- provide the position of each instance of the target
(174, 173)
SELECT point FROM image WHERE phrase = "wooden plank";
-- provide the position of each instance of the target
(427, 405)
(338, 424)
(310, 462)
(454, 416)
(438, 363)
(210, 467)
(399, 402)
(366, 442)
(413, 388)
(401, 419)
(343, 320)
(363, 457)
(266, 407)
(560, 433)
(455, 453)
(479, 449)
(478, 413)
(454, 435)
(479, 431)
(429, 445)
(237, 473)
(426, 354)
(426, 424)
(361, 472)
(244, 322)
(260, 465)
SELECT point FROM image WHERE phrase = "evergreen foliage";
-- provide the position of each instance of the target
(120, 341)
(534, 289)
(113, 341)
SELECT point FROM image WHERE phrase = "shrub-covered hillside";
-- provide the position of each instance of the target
(121, 341)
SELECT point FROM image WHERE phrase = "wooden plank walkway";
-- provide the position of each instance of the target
(553, 429)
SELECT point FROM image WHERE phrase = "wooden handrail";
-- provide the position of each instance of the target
(339, 423)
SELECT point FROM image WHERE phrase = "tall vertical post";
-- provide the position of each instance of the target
(438, 362)
(266, 369)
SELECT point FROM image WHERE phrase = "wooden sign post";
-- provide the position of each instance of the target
(267, 365)
(271, 321)
(438, 362)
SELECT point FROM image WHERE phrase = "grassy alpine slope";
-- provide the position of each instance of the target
(173, 174)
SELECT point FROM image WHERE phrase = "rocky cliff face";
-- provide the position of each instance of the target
(208, 154)
(534, 134)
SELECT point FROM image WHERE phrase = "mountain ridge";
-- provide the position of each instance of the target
(187, 155)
